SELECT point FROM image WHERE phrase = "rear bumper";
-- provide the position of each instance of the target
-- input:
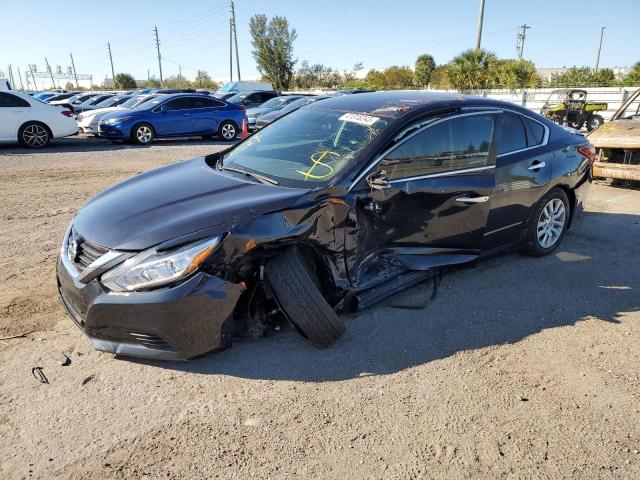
(174, 323)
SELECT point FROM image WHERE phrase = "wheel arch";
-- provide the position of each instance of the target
(39, 122)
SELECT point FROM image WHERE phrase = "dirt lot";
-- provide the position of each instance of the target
(520, 368)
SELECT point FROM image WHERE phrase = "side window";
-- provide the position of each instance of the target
(512, 136)
(453, 144)
(535, 132)
(205, 102)
(180, 103)
(11, 101)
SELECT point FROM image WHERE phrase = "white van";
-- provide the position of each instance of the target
(237, 87)
(4, 84)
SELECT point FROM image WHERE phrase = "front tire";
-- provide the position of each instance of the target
(34, 135)
(142, 134)
(227, 130)
(548, 223)
(298, 296)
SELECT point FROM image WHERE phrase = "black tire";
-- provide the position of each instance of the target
(535, 246)
(227, 130)
(142, 134)
(34, 135)
(300, 299)
(594, 121)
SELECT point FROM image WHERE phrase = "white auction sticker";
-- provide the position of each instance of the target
(359, 118)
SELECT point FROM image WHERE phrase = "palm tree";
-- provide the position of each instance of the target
(472, 70)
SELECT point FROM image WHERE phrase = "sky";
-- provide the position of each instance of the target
(339, 34)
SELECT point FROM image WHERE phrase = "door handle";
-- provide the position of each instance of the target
(472, 199)
(535, 166)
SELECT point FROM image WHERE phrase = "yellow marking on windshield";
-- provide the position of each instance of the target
(317, 158)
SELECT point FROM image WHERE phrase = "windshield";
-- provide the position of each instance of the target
(135, 101)
(227, 87)
(111, 102)
(296, 104)
(306, 148)
(238, 97)
(275, 103)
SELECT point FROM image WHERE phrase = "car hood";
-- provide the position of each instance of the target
(174, 201)
(617, 134)
(98, 111)
(117, 112)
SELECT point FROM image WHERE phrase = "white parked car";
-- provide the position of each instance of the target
(89, 119)
(32, 123)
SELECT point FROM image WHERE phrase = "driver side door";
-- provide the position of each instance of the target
(430, 198)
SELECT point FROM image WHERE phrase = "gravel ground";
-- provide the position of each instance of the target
(520, 368)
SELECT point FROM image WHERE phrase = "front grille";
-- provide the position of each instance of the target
(85, 251)
(150, 340)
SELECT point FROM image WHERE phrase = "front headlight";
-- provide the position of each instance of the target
(151, 268)
(118, 120)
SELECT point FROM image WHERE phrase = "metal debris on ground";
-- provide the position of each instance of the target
(39, 375)
(88, 379)
(20, 335)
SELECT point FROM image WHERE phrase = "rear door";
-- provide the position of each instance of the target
(440, 181)
(205, 116)
(13, 112)
(523, 171)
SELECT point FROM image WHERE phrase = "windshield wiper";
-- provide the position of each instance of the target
(257, 176)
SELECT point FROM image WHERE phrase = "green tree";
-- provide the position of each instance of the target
(177, 81)
(124, 81)
(392, 77)
(203, 80)
(583, 77)
(425, 65)
(440, 77)
(272, 42)
(633, 77)
(472, 70)
(152, 82)
(316, 76)
(513, 74)
(69, 86)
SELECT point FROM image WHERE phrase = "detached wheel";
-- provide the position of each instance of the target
(34, 135)
(296, 290)
(142, 134)
(548, 223)
(227, 130)
(594, 121)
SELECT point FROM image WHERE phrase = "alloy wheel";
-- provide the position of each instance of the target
(35, 135)
(228, 131)
(551, 223)
(144, 134)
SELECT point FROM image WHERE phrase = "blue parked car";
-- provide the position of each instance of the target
(176, 115)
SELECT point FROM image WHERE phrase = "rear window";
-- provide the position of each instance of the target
(535, 131)
(513, 135)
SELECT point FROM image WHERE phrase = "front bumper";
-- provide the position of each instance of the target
(112, 131)
(172, 323)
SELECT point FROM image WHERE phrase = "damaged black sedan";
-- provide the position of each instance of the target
(329, 209)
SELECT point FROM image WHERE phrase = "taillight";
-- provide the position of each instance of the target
(588, 151)
(67, 113)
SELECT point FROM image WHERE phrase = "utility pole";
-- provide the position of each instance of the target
(231, 50)
(155, 30)
(235, 38)
(113, 73)
(480, 21)
(33, 77)
(521, 37)
(50, 72)
(599, 48)
(73, 65)
(180, 70)
(20, 77)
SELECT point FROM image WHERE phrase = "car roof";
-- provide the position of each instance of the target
(389, 104)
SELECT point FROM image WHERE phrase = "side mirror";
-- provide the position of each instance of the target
(378, 180)
(163, 108)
